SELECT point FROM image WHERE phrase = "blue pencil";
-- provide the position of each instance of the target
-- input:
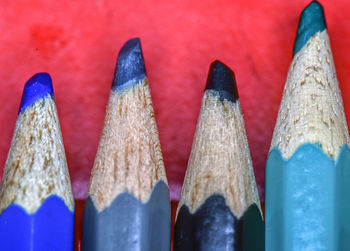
(128, 204)
(308, 167)
(36, 200)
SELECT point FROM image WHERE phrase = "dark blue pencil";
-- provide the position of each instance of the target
(219, 208)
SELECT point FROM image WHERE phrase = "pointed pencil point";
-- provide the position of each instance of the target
(222, 79)
(130, 64)
(38, 86)
(311, 21)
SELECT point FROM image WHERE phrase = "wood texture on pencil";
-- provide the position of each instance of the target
(36, 166)
(36, 200)
(220, 161)
(219, 207)
(311, 109)
(129, 156)
(128, 205)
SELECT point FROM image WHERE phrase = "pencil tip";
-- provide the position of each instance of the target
(311, 21)
(38, 86)
(222, 79)
(130, 65)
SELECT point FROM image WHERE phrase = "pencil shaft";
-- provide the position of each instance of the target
(128, 224)
(36, 200)
(307, 171)
(128, 205)
(219, 206)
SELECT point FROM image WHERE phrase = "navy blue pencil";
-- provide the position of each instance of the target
(219, 208)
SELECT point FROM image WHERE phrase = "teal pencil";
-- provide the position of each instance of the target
(308, 167)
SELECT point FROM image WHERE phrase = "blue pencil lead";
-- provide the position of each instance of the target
(38, 86)
(130, 65)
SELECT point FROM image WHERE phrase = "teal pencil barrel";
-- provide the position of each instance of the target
(307, 200)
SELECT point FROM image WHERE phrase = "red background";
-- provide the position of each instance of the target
(77, 43)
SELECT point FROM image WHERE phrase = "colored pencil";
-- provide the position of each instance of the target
(128, 204)
(308, 167)
(36, 200)
(219, 207)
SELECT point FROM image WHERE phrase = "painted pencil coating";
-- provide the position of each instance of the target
(128, 205)
(214, 227)
(36, 200)
(307, 171)
(49, 228)
(129, 224)
(314, 191)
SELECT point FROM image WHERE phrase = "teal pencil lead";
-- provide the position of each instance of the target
(311, 21)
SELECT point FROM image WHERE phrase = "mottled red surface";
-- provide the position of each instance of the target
(77, 43)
